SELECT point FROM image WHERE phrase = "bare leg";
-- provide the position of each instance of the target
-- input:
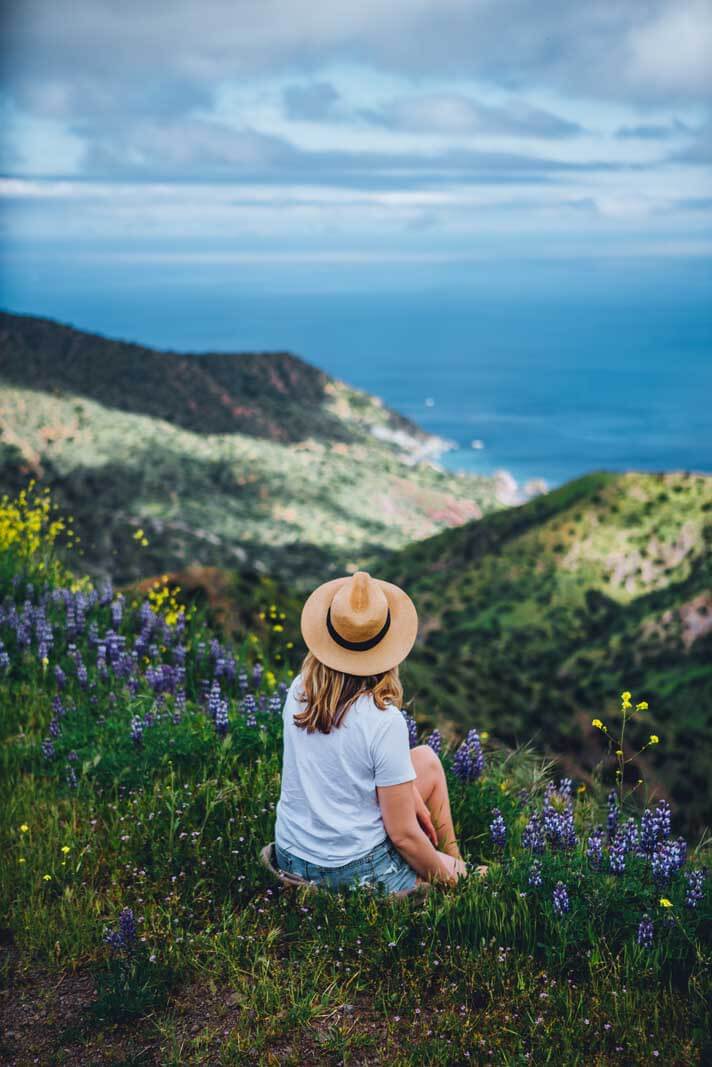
(432, 786)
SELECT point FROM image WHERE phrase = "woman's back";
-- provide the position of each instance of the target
(328, 810)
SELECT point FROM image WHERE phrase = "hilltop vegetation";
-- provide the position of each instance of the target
(140, 770)
(257, 461)
(533, 617)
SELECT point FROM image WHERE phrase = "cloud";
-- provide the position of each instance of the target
(312, 101)
(655, 131)
(453, 113)
(627, 50)
(699, 151)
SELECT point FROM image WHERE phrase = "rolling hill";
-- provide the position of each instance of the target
(533, 620)
(257, 461)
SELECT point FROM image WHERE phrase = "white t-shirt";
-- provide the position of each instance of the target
(328, 810)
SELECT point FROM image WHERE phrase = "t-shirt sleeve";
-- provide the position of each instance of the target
(391, 752)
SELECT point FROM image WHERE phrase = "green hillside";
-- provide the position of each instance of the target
(536, 618)
(255, 461)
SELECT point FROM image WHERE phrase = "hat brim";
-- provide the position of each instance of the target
(391, 650)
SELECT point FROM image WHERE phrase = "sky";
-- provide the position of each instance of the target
(355, 138)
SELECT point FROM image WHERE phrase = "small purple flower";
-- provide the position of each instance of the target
(616, 855)
(221, 719)
(48, 750)
(645, 932)
(667, 859)
(412, 728)
(535, 874)
(72, 780)
(125, 937)
(435, 742)
(137, 728)
(498, 829)
(257, 673)
(59, 676)
(533, 834)
(594, 848)
(560, 899)
(249, 708)
(695, 887)
(469, 760)
(613, 814)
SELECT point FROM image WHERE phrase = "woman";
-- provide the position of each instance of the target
(357, 805)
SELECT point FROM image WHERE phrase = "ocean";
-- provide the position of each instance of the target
(552, 369)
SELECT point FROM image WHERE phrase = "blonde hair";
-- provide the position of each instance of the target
(330, 693)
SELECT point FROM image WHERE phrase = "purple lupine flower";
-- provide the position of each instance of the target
(435, 742)
(125, 937)
(4, 658)
(72, 780)
(533, 834)
(242, 681)
(498, 829)
(663, 819)
(412, 728)
(695, 887)
(560, 899)
(214, 699)
(469, 760)
(72, 756)
(667, 859)
(645, 932)
(594, 848)
(616, 855)
(249, 708)
(535, 874)
(257, 673)
(54, 728)
(283, 689)
(648, 832)
(558, 819)
(47, 748)
(137, 728)
(221, 718)
(275, 704)
(613, 814)
(629, 836)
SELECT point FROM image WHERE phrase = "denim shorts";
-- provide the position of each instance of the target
(383, 868)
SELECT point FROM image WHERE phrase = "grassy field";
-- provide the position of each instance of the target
(140, 770)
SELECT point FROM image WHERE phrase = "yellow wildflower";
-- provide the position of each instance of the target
(46, 877)
(22, 860)
(619, 752)
(277, 628)
(665, 903)
(484, 735)
(643, 706)
(625, 699)
(138, 535)
(597, 723)
(654, 739)
(24, 828)
(65, 849)
(581, 788)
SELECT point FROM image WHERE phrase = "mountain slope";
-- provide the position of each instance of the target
(534, 619)
(222, 460)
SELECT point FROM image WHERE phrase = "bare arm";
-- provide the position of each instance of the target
(397, 803)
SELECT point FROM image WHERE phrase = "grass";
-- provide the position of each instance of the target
(226, 967)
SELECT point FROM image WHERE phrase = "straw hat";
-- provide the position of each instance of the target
(359, 624)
